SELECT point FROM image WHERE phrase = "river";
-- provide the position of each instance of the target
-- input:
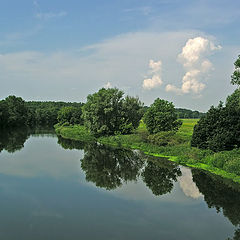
(51, 188)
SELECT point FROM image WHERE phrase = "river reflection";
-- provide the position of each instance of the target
(222, 195)
(13, 139)
(91, 191)
(110, 167)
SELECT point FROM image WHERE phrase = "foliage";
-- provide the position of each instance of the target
(219, 129)
(161, 116)
(181, 153)
(165, 138)
(107, 112)
(75, 132)
(14, 111)
(72, 115)
(3, 114)
(46, 113)
(235, 78)
(188, 114)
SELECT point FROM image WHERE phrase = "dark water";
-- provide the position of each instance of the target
(53, 188)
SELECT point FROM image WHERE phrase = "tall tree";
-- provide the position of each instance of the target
(107, 112)
(17, 111)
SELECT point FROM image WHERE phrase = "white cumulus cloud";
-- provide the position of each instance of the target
(187, 185)
(194, 60)
(108, 85)
(155, 80)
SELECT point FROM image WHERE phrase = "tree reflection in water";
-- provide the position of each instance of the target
(222, 195)
(159, 176)
(70, 144)
(13, 139)
(108, 167)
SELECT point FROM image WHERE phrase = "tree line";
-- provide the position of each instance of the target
(109, 112)
(219, 128)
(15, 112)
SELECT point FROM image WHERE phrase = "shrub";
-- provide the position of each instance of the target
(165, 138)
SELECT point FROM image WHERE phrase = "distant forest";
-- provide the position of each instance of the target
(14, 111)
(186, 113)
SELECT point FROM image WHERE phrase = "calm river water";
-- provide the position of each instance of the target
(53, 188)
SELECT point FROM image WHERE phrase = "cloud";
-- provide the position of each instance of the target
(146, 10)
(155, 80)
(187, 185)
(120, 60)
(47, 15)
(194, 60)
(108, 85)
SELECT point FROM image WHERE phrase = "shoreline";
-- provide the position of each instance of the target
(180, 154)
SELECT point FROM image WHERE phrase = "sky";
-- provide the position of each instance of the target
(178, 50)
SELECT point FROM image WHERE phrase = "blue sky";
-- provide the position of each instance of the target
(182, 51)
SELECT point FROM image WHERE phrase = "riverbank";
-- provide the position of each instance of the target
(176, 147)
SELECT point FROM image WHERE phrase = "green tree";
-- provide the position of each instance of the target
(3, 114)
(235, 78)
(17, 111)
(107, 112)
(72, 115)
(161, 116)
(132, 114)
(219, 129)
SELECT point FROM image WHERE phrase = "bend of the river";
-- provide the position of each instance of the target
(51, 188)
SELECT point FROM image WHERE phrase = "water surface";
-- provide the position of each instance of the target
(53, 188)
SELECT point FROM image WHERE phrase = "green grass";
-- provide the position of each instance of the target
(186, 129)
(74, 132)
(178, 149)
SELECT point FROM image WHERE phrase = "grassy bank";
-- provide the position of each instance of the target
(176, 147)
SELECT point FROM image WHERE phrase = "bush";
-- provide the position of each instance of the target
(165, 138)
(161, 116)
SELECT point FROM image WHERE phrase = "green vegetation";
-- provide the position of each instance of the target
(236, 74)
(219, 129)
(188, 114)
(71, 115)
(74, 132)
(161, 116)
(178, 149)
(15, 112)
(107, 112)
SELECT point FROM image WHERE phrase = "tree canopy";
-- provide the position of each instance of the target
(219, 129)
(15, 112)
(107, 112)
(235, 78)
(161, 116)
(72, 115)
